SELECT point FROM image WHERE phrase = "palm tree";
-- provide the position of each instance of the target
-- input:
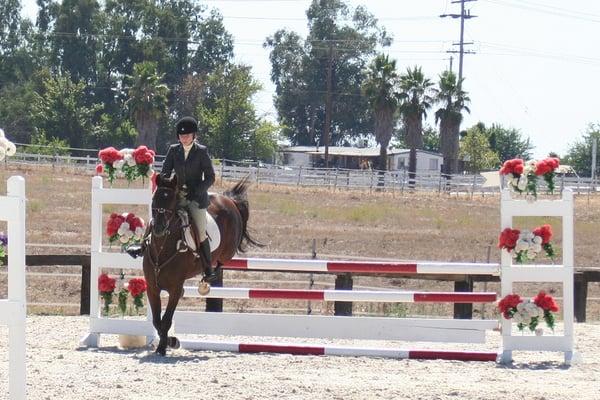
(147, 102)
(416, 97)
(380, 89)
(453, 100)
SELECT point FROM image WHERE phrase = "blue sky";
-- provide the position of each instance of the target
(536, 67)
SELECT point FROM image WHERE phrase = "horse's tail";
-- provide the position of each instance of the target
(240, 198)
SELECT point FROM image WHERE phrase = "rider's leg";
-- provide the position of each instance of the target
(199, 218)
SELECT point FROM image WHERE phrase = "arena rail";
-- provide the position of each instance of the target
(13, 310)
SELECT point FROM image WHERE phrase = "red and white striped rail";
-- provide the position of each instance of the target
(304, 349)
(346, 295)
(266, 264)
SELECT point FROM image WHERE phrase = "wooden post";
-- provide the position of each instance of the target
(463, 310)
(216, 305)
(581, 290)
(84, 307)
(343, 308)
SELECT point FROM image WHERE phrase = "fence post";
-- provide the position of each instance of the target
(216, 305)
(299, 175)
(343, 282)
(84, 306)
(581, 291)
(463, 310)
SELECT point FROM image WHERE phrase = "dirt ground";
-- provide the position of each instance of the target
(57, 368)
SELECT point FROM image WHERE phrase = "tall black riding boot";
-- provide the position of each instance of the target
(209, 272)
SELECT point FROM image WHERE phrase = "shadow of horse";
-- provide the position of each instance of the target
(167, 263)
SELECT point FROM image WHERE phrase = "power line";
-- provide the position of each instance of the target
(461, 52)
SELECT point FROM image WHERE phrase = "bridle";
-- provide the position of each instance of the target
(169, 215)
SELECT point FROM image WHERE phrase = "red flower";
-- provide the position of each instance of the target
(546, 166)
(99, 168)
(545, 232)
(114, 223)
(143, 155)
(508, 239)
(106, 284)
(545, 302)
(514, 166)
(109, 155)
(508, 303)
(136, 286)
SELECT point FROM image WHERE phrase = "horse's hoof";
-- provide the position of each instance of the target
(203, 288)
(161, 352)
(174, 342)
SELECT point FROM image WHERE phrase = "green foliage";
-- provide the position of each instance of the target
(508, 143)
(61, 111)
(263, 141)
(579, 155)
(416, 100)
(227, 118)
(337, 36)
(475, 149)
(42, 145)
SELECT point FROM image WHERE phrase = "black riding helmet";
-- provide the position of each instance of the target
(186, 125)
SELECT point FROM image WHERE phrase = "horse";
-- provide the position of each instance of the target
(167, 260)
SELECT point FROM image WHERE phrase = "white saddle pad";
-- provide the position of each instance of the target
(212, 230)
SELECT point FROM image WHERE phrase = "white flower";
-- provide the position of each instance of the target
(527, 235)
(518, 318)
(1, 133)
(139, 232)
(123, 229)
(522, 185)
(129, 160)
(118, 165)
(510, 176)
(536, 247)
(123, 239)
(537, 239)
(11, 149)
(531, 254)
(2, 153)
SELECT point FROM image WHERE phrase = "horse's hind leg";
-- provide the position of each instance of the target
(167, 321)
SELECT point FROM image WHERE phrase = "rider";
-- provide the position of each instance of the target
(195, 174)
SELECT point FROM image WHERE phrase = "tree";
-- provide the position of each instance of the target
(416, 100)
(147, 102)
(453, 100)
(380, 88)
(579, 155)
(508, 143)
(263, 142)
(339, 37)
(227, 118)
(60, 111)
(475, 149)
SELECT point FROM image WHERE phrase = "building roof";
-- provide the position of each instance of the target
(348, 151)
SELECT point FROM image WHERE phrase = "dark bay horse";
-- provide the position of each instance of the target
(167, 265)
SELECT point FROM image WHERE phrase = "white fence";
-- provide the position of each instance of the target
(13, 310)
(334, 178)
(102, 259)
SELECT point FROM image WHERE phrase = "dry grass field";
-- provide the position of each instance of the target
(343, 224)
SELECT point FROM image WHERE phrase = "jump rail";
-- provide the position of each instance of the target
(13, 310)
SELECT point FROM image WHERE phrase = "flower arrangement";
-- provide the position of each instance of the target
(527, 312)
(3, 244)
(137, 288)
(126, 229)
(7, 148)
(522, 176)
(525, 245)
(129, 163)
(106, 287)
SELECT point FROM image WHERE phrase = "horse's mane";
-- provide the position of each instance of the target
(238, 194)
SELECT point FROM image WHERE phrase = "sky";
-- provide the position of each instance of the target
(536, 65)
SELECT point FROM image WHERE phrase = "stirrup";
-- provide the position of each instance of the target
(135, 251)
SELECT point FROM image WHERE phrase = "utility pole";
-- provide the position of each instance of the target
(461, 44)
(328, 104)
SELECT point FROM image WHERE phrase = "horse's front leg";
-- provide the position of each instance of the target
(167, 321)
(155, 306)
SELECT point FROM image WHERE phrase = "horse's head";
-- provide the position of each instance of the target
(164, 204)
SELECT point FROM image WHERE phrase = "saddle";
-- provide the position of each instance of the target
(191, 235)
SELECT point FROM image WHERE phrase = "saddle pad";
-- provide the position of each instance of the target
(212, 230)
